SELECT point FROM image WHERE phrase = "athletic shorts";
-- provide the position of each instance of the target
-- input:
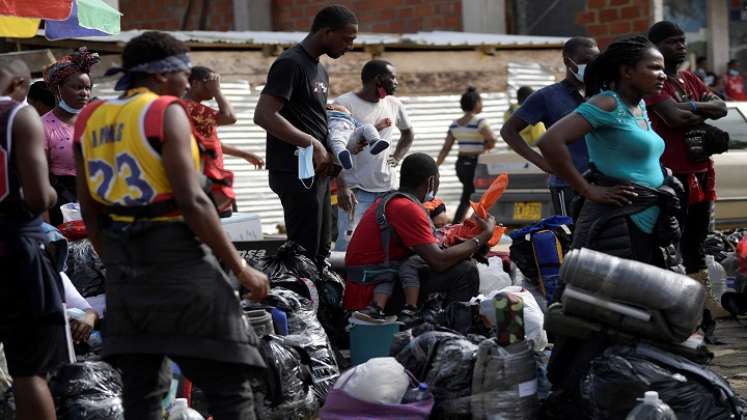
(34, 349)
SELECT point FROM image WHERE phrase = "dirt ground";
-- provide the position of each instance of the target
(730, 358)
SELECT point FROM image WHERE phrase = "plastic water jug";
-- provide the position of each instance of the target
(261, 322)
(416, 394)
(717, 275)
(651, 408)
(181, 411)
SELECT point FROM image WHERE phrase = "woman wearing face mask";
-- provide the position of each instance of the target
(629, 203)
(69, 81)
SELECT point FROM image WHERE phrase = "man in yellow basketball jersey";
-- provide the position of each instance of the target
(158, 234)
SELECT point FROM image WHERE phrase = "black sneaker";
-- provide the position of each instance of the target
(346, 159)
(379, 146)
(371, 313)
(406, 318)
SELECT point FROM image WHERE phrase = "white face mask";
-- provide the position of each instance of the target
(306, 165)
(734, 72)
(579, 73)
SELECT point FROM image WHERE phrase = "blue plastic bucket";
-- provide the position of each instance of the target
(368, 340)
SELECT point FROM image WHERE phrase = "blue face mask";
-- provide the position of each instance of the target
(306, 165)
(67, 108)
(429, 196)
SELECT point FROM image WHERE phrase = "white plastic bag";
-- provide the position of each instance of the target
(534, 319)
(492, 276)
(380, 380)
(70, 212)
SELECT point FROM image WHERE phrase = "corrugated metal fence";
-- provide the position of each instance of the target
(430, 117)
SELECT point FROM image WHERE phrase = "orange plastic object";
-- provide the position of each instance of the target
(469, 228)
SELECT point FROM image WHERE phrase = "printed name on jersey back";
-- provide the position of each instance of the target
(107, 134)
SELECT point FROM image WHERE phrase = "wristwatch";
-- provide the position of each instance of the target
(477, 241)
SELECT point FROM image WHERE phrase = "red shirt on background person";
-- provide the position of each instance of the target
(734, 83)
(684, 103)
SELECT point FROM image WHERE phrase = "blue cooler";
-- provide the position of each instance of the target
(369, 340)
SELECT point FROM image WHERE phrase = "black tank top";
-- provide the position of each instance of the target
(12, 207)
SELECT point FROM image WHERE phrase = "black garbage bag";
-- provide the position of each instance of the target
(445, 361)
(85, 269)
(87, 391)
(623, 374)
(288, 379)
(718, 245)
(306, 333)
(302, 286)
(8, 405)
(463, 317)
(290, 259)
(285, 392)
(333, 317)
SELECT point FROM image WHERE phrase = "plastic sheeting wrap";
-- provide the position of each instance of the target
(672, 300)
(85, 269)
(290, 267)
(445, 362)
(623, 374)
(474, 381)
(7, 405)
(289, 259)
(306, 333)
(504, 382)
(286, 394)
(87, 391)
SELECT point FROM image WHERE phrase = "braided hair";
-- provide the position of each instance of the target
(605, 69)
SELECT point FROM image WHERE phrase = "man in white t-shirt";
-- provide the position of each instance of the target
(371, 175)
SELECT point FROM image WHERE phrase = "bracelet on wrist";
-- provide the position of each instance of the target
(242, 267)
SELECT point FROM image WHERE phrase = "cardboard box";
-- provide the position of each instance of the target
(243, 227)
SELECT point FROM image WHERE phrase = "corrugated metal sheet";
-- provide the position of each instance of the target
(429, 115)
(423, 39)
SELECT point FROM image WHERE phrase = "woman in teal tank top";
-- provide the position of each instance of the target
(621, 142)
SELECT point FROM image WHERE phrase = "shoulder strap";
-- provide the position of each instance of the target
(153, 121)
(85, 114)
(385, 228)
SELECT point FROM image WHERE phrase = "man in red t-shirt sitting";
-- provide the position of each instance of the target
(406, 226)
(685, 102)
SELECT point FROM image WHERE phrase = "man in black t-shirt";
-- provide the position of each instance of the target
(292, 111)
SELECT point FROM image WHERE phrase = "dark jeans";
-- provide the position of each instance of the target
(694, 221)
(644, 246)
(465, 170)
(561, 200)
(307, 212)
(146, 381)
(459, 283)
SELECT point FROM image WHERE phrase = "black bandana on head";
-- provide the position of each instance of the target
(663, 30)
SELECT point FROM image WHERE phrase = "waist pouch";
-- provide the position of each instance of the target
(703, 141)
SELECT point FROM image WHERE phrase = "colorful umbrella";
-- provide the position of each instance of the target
(84, 18)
